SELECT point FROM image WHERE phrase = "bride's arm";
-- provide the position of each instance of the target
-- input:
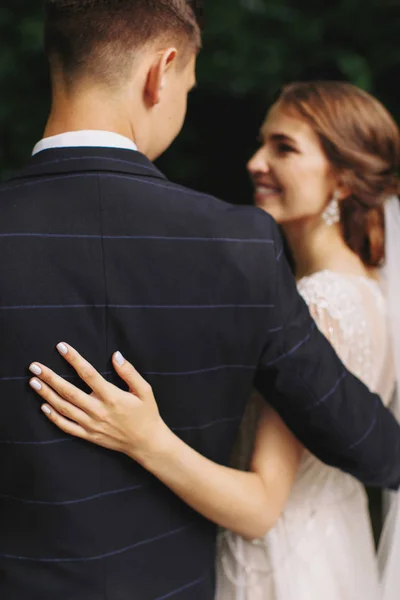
(248, 503)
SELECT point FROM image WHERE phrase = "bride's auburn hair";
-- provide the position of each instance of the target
(362, 143)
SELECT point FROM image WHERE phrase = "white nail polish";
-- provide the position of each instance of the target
(119, 359)
(62, 348)
(35, 369)
(36, 384)
(46, 410)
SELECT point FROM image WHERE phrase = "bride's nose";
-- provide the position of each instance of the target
(258, 163)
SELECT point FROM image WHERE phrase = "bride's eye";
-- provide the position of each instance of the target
(285, 148)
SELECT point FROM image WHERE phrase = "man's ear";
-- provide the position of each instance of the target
(158, 75)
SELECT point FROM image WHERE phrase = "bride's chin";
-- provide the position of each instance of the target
(272, 208)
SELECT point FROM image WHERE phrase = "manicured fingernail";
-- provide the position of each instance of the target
(35, 369)
(46, 409)
(119, 359)
(35, 384)
(62, 348)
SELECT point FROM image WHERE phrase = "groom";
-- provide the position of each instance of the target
(99, 248)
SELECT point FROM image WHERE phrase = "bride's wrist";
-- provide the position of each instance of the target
(157, 445)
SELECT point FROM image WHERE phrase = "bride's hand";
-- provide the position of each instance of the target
(127, 422)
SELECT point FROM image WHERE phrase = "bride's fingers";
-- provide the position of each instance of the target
(61, 406)
(85, 370)
(139, 386)
(65, 389)
(64, 424)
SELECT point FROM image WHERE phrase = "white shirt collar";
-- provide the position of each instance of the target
(87, 138)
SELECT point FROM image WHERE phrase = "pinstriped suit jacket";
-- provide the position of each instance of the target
(99, 249)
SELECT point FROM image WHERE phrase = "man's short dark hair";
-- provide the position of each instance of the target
(101, 37)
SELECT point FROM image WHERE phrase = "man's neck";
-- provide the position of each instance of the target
(57, 126)
(88, 112)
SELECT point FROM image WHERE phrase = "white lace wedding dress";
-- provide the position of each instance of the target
(322, 547)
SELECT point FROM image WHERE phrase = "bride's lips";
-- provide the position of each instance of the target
(266, 191)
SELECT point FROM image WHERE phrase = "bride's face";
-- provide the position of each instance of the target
(291, 174)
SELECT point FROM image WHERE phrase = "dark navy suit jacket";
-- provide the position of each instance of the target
(99, 249)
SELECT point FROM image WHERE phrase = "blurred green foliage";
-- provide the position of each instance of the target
(24, 88)
(260, 44)
(251, 48)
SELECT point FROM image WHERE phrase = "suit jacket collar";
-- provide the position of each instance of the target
(84, 138)
(59, 161)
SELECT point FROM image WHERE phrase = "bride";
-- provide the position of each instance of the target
(292, 528)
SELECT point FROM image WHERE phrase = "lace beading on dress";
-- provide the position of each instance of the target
(340, 299)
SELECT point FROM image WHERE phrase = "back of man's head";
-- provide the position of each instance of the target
(101, 38)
